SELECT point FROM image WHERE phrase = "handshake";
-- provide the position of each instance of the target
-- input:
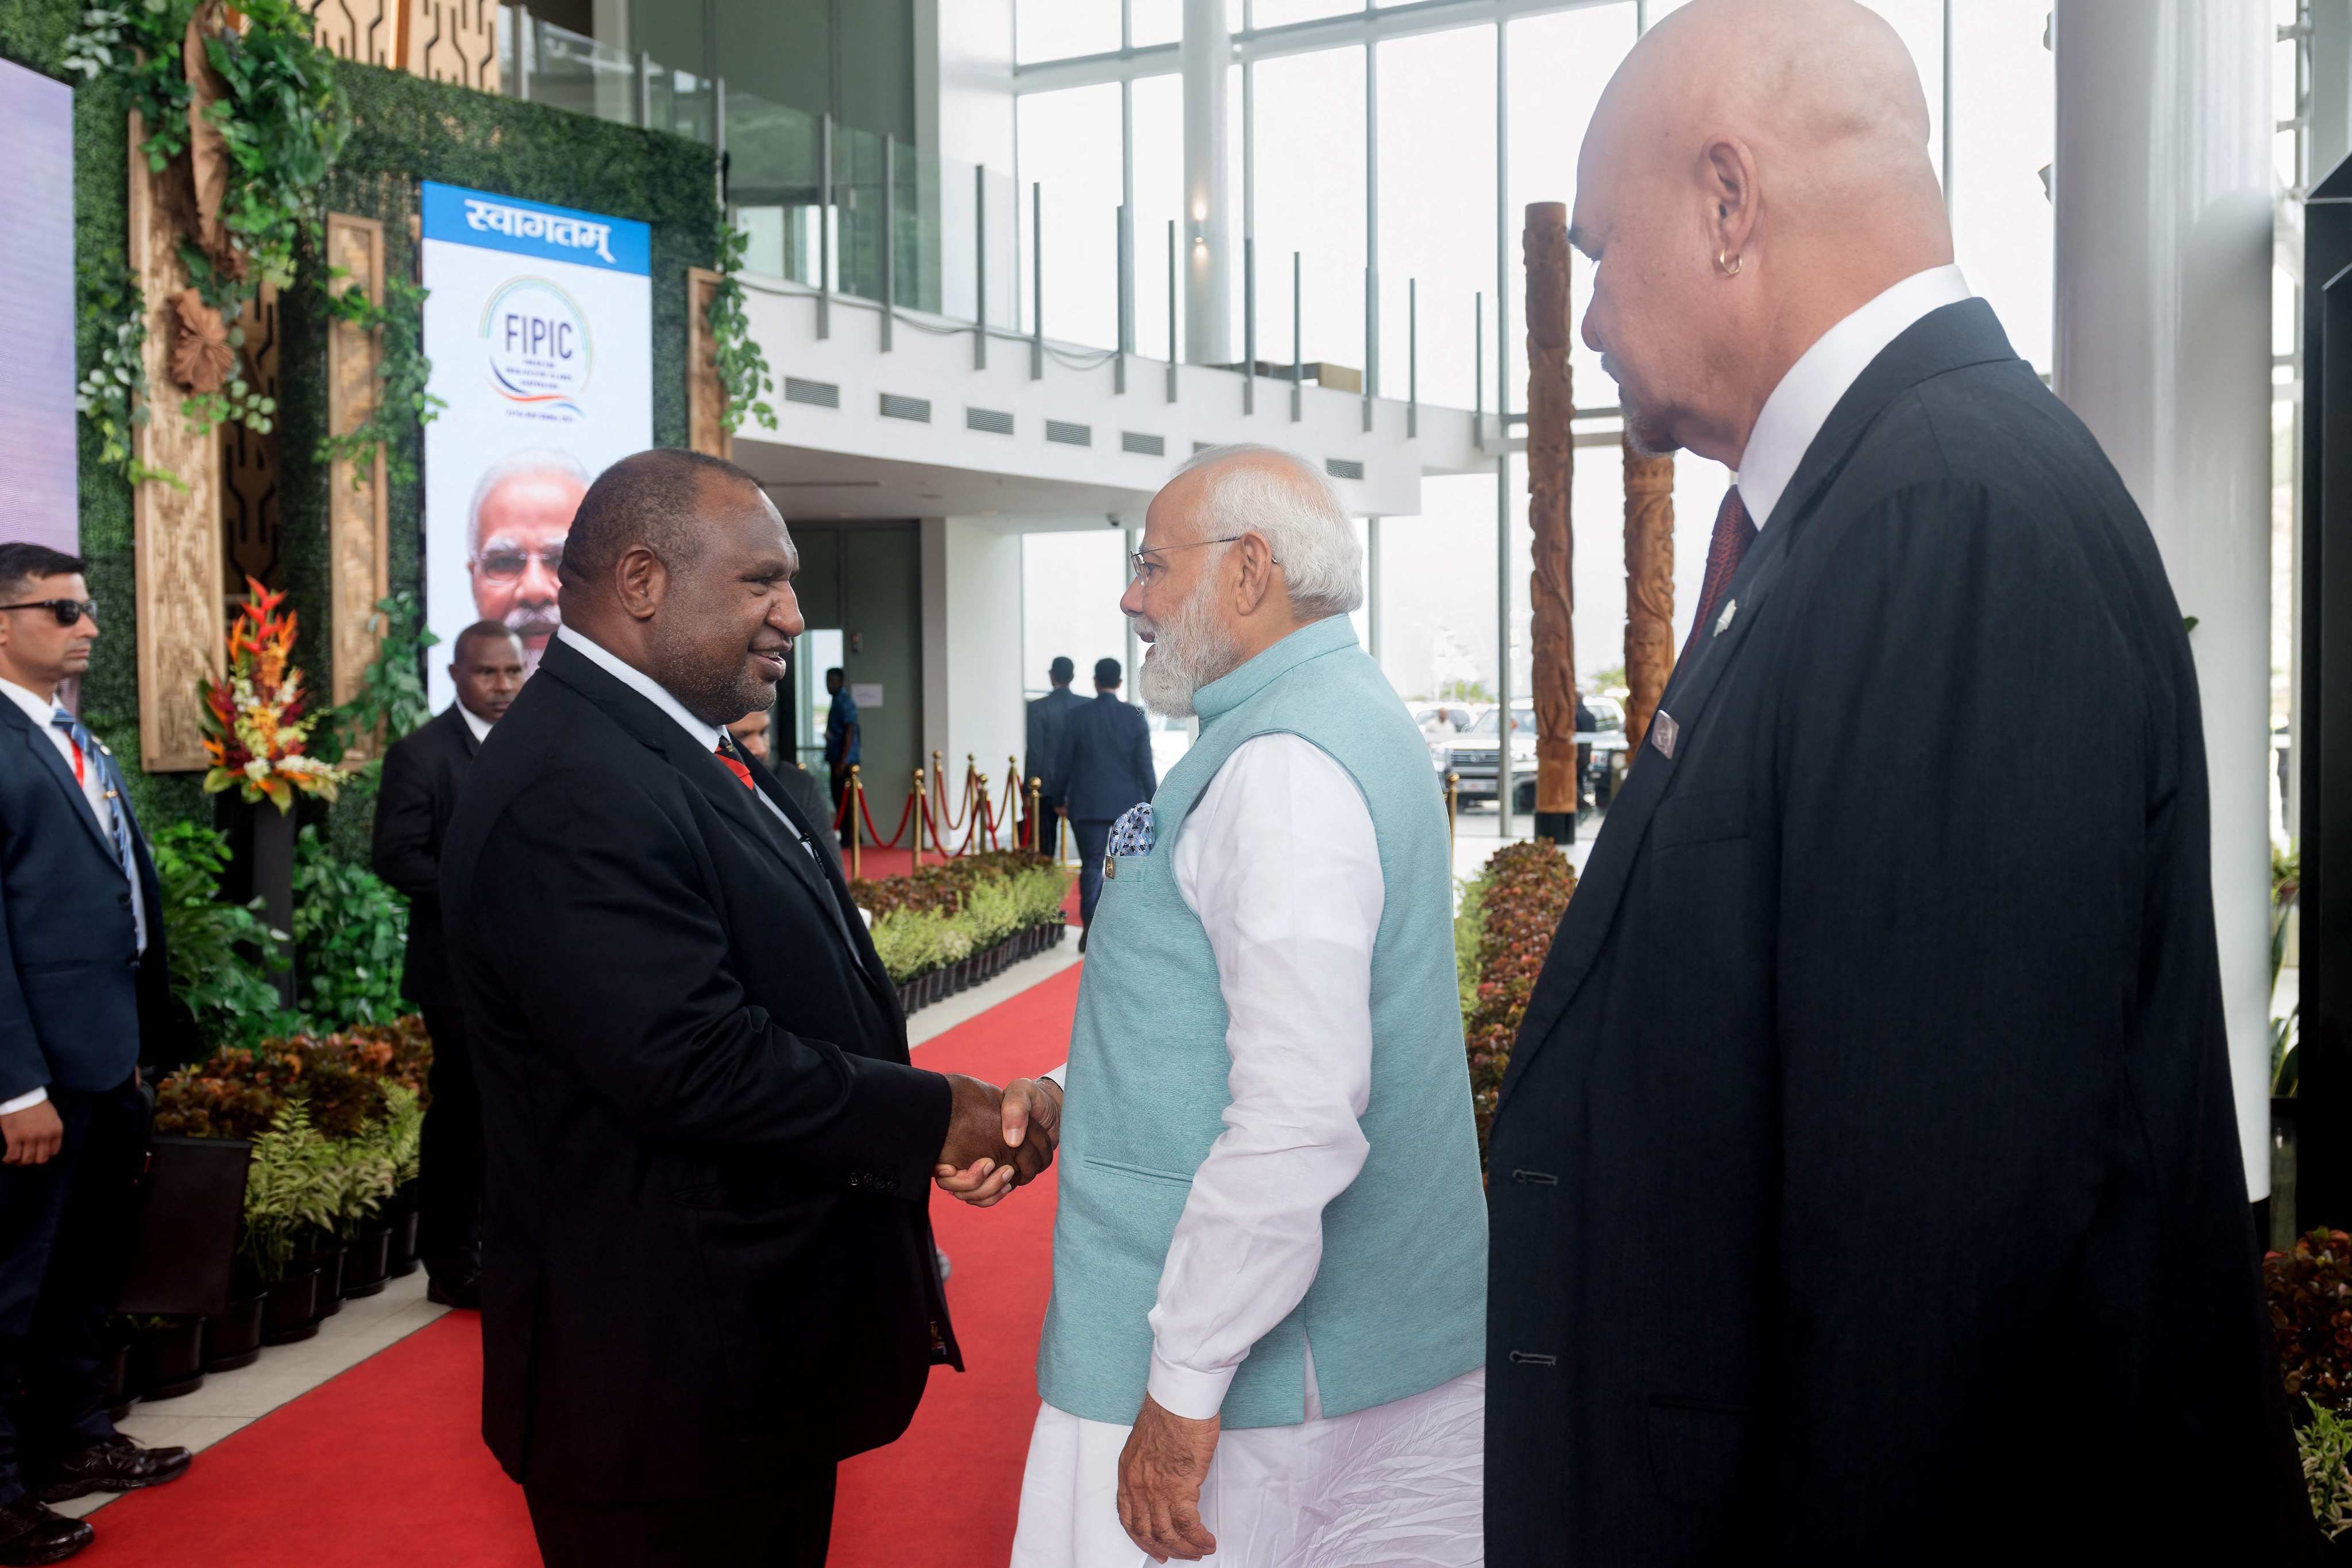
(997, 1139)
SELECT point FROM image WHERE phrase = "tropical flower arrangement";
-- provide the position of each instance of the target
(1500, 937)
(255, 721)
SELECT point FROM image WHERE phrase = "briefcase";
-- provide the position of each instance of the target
(187, 1207)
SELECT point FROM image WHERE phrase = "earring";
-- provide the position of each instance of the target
(1728, 263)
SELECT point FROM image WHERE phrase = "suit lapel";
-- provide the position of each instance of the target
(46, 758)
(828, 881)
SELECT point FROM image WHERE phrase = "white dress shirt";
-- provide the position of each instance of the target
(1279, 860)
(480, 726)
(1801, 404)
(38, 709)
(706, 735)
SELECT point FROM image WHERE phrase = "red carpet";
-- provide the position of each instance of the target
(384, 1468)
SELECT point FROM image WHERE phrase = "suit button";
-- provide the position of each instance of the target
(1532, 1358)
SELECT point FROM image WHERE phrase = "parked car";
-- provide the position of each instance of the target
(1474, 756)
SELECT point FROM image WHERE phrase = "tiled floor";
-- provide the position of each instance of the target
(229, 1400)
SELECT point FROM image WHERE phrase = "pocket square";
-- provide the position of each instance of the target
(1132, 833)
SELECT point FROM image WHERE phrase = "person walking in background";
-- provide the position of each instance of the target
(85, 999)
(1046, 716)
(422, 776)
(1104, 763)
(1868, 1108)
(752, 735)
(841, 735)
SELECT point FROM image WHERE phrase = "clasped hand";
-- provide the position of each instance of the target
(998, 1138)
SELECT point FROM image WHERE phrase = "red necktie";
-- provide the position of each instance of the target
(1733, 534)
(726, 753)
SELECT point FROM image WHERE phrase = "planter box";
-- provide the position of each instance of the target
(404, 1260)
(191, 1202)
(233, 1337)
(170, 1358)
(115, 1366)
(330, 1279)
(367, 1262)
(290, 1310)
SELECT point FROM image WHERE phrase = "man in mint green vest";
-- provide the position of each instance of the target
(1267, 1332)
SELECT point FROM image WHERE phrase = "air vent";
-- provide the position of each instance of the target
(1070, 435)
(1143, 446)
(815, 393)
(993, 421)
(918, 409)
(1343, 467)
(1201, 446)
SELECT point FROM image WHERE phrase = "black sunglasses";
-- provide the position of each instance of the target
(68, 612)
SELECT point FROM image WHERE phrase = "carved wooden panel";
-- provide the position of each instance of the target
(454, 41)
(1551, 465)
(177, 557)
(367, 31)
(358, 536)
(705, 398)
(1649, 587)
(249, 462)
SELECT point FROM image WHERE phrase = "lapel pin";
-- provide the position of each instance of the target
(1665, 733)
(1722, 623)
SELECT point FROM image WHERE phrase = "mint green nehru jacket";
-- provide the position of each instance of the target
(1399, 1303)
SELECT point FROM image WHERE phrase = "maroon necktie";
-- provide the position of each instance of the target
(1733, 534)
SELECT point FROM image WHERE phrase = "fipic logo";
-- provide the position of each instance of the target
(540, 349)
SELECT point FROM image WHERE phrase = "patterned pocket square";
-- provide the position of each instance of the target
(1131, 834)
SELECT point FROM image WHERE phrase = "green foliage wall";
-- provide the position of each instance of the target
(406, 130)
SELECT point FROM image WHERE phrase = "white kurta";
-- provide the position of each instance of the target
(1279, 861)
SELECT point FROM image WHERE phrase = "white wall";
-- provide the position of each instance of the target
(971, 645)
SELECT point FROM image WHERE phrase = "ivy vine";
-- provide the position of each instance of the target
(113, 396)
(743, 372)
(402, 367)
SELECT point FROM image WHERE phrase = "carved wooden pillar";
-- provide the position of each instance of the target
(1649, 587)
(451, 40)
(359, 570)
(1551, 464)
(706, 396)
(250, 461)
(177, 555)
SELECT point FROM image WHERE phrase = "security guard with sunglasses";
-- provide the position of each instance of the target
(84, 999)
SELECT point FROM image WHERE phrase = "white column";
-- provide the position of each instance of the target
(1207, 53)
(971, 650)
(2162, 183)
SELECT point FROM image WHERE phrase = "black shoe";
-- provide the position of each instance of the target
(31, 1532)
(117, 1464)
(463, 1291)
(1082, 940)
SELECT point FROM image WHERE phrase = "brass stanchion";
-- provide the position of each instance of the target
(1453, 790)
(856, 806)
(983, 829)
(1036, 804)
(923, 811)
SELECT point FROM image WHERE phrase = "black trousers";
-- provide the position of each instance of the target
(1093, 834)
(450, 1157)
(784, 1524)
(64, 1236)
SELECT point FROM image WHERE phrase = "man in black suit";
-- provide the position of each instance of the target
(85, 997)
(423, 773)
(707, 1271)
(1867, 1183)
(1045, 717)
(1104, 765)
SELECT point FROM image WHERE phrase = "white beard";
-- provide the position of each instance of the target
(1187, 653)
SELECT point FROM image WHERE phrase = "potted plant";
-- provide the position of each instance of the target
(232, 1336)
(115, 1363)
(290, 1193)
(168, 1356)
(376, 1161)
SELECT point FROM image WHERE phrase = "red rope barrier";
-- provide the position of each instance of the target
(875, 833)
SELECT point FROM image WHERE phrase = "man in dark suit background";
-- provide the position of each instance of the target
(85, 999)
(1045, 716)
(1867, 1183)
(423, 774)
(1105, 766)
(708, 1270)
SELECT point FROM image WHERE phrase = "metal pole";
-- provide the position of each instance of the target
(1411, 357)
(1249, 323)
(1372, 584)
(1296, 363)
(525, 49)
(1946, 122)
(1503, 642)
(645, 90)
(718, 131)
(1478, 371)
(1372, 229)
(979, 265)
(1172, 310)
(1036, 280)
(1124, 295)
(824, 227)
(1502, 226)
(1371, 343)
(889, 236)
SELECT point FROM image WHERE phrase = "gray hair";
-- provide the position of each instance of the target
(1290, 503)
(529, 460)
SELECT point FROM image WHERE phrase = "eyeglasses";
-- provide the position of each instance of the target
(68, 612)
(506, 565)
(1146, 570)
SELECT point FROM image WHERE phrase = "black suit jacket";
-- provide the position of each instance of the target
(1104, 762)
(78, 1004)
(1046, 717)
(706, 1249)
(1866, 1184)
(415, 800)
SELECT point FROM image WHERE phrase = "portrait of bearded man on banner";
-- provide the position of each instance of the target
(515, 526)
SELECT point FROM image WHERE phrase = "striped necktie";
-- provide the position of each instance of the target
(1733, 532)
(87, 756)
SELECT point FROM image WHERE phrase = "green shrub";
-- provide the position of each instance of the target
(351, 933)
(221, 954)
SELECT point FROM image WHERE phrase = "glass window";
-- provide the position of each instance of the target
(1436, 113)
(1057, 30)
(1437, 592)
(1558, 66)
(1156, 22)
(1071, 582)
(1311, 200)
(2004, 106)
(1069, 145)
(1159, 104)
(1278, 13)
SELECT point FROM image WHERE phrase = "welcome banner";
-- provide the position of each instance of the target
(539, 326)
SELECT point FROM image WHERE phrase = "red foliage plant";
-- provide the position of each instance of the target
(342, 1076)
(1528, 887)
(2310, 1292)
